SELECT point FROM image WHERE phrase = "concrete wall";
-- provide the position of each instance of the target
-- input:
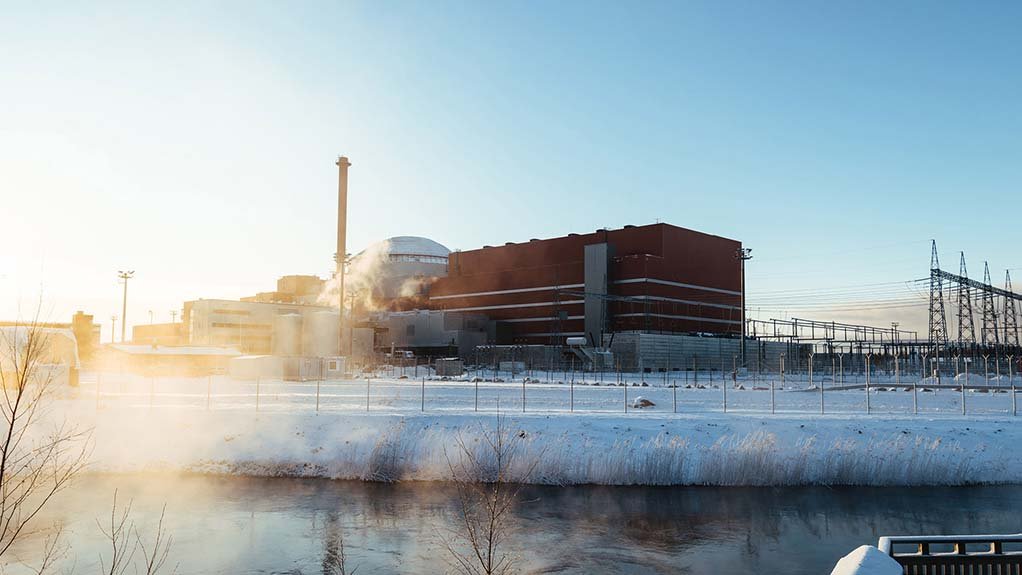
(597, 261)
(432, 329)
(637, 351)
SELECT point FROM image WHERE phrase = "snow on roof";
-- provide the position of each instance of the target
(414, 246)
(146, 349)
(18, 336)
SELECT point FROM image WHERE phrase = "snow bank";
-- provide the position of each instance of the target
(611, 449)
(867, 560)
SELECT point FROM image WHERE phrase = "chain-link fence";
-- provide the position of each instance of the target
(816, 387)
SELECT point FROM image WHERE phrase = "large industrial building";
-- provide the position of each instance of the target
(655, 296)
(657, 278)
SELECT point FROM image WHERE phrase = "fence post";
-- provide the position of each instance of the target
(963, 396)
(367, 393)
(318, 381)
(915, 398)
(423, 405)
(822, 404)
(868, 355)
(523, 395)
(477, 393)
(723, 386)
(626, 396)
(675, 396)
(897, 372)
(571, 396)
(1011, 381)
(1011, 369)
(773, 403)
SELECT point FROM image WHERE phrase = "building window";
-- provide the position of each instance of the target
(332, 366)
(232, 311)
(410, 330)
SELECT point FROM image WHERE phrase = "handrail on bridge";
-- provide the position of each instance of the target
(975, 551)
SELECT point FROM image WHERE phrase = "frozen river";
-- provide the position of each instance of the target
(287, 526)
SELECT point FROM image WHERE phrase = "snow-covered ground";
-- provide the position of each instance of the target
(143, 425)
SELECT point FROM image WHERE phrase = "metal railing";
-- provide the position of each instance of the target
(956, 554)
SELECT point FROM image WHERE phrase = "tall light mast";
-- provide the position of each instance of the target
(743, 255)
(125, 276)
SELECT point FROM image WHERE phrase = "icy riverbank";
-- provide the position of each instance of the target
(598, 448)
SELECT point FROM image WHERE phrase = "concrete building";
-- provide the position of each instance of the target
(299, 289)
(657, 278)
(86, 333)
(57, 358)
(432, 333)
(263, 328)
(182, 361)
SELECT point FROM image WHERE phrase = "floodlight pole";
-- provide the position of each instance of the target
(743, 255)
(124, 276)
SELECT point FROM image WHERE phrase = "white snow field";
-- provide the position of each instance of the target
(216, 425)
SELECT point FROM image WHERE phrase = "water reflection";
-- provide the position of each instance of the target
(231, 525)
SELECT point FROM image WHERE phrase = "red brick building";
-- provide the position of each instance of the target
(655, 278)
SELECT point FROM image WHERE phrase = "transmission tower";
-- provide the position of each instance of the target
(1010, 319)
(966, 326)
(989, 333)
(938, 321)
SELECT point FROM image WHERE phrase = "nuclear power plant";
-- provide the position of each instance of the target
(645, 297)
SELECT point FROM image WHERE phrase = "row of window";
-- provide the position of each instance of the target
(247, 326)
(416, 258)
(232, 311)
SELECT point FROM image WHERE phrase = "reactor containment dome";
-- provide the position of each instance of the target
(398, 268)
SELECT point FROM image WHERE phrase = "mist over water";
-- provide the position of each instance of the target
(241, 525)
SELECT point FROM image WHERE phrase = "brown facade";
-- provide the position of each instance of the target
(661, 278)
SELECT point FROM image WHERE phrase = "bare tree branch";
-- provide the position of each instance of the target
(35, 464)
(487, 481)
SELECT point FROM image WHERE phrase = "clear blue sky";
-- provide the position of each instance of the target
(194, 142)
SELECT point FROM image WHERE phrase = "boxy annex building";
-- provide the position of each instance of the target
(658, 279)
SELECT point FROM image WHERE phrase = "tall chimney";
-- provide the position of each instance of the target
(342, 230)
(342, 213)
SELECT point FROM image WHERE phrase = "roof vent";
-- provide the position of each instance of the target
(629, 226)
(572, 235)
(484, 247)
(534, 240)
(509, 243)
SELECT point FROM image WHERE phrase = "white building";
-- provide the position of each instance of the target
(57, 361)
(263, 328)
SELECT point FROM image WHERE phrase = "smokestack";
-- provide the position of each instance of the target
(342, 250)
(342, 213)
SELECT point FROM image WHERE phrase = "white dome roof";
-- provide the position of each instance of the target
(413, 246)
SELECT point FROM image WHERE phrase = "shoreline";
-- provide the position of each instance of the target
(731, 449)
